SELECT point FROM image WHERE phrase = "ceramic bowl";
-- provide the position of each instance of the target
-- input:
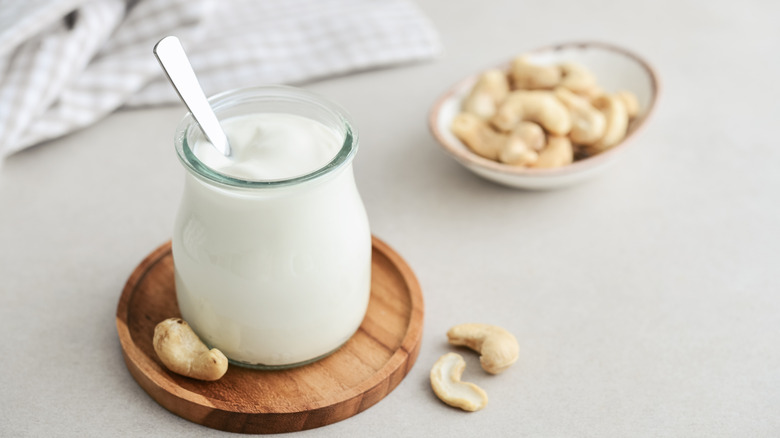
(615, 68)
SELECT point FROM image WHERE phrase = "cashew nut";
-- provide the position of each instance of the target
(537, 106)
(497, 347)
(523, 144)
(630, 101)
(445, 381)
(587, 123)
(478, 136)
(490, 89)
(558, 152)
(578, 78)
(617, 121)
(517, 152)
(592, 93)
(531, 133)
(182, 352)
(528, 76)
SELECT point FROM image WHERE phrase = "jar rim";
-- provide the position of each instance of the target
(265, 93)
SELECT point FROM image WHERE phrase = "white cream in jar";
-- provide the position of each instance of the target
(271, 146)
(271, 247)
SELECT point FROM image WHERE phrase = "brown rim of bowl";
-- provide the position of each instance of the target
(468, 157)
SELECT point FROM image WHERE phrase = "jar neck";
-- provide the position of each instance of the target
(268, 99)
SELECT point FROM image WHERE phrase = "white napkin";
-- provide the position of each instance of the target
(64, 64)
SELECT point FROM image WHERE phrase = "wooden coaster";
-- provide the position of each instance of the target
(367, 368)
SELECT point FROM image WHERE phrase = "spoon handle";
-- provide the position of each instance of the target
(177, 67)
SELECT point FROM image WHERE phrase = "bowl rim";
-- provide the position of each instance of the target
(465, 156)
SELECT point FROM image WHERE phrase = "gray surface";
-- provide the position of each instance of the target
(646, 302)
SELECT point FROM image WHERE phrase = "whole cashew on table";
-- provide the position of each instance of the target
(498, 349)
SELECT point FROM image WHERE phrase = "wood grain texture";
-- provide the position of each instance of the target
(367, 368)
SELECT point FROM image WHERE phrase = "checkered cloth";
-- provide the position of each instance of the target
(64, 64)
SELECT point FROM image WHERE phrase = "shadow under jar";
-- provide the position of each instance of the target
(276, 273)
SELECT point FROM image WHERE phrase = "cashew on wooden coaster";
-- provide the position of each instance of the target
(498, 350)
(182, 352)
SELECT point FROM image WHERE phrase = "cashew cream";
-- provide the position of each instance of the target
(270, 146)
(280, 275)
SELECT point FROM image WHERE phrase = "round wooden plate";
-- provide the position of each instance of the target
(367, 368)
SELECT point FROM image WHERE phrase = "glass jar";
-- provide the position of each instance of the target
(274, 273)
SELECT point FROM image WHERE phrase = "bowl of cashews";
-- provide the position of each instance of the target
(549, 117)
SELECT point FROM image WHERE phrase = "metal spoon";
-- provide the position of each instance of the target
(177, 67)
